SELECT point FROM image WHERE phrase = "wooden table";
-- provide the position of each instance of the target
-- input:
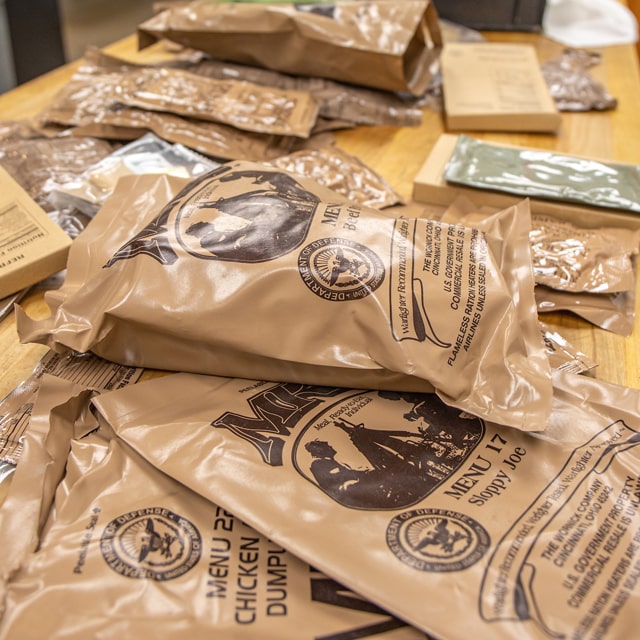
(397, 154)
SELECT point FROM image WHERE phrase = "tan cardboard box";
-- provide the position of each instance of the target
(32, 246)
(430, 187)
(491, 86)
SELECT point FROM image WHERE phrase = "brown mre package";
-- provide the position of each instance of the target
(97, 543)
(254, 271)
(461, 527)
(385, 45)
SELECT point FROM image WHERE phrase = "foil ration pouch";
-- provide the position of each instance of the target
(384, 45)
(121, 551)
(252, 270)
(461, 527)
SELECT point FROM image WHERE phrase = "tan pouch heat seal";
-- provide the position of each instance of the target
(254, 271)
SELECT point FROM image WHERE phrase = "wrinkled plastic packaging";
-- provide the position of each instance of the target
(614, 312)
(86, 369)
(384, 45)
(147, 154)
(575, 259)
(39, 163)
(88, 104)
(216, 281)
(572, 86)
(405, 500)
(234, 102)
(336, 100)
(81, 499)
(544, 174)
(343, 173)
(563, 356)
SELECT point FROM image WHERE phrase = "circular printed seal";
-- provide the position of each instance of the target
(244, 215)
(338, 269)
(152, 543)
(437, 539)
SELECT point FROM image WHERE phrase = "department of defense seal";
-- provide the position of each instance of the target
(152, 543)
(437, 539)
(338, 269)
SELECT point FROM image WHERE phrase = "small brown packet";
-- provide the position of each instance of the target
(336, 100)
(407, 501)
(237, 103)
(87, 103)
(343, 173)
(136, 553)
(614, 312)
(385, 45)
(575, 259)
(571, 84)
(252, 270)
(37, 164)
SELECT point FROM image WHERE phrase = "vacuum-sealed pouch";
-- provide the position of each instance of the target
(250, 270)
(574, 259)
(459, 526)
(384, 45)
(614, 312)
(341, 172)
(104, 545)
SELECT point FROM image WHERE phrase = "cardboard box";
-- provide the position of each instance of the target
(430, 187)
(492, 86)
(32, 246)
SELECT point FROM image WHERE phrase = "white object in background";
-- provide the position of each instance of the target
(589, 23)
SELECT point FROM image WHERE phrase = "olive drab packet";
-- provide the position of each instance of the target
(461, 527)
(99, 543)
(218, 280)
(384, 45)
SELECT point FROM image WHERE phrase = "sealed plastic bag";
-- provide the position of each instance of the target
(459, 526)
(384, 45)
(250, 270)
(544, 174)
(147, 154)
(99, 543)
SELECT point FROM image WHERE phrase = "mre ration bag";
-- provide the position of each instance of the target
(384, 45)
(462, 528)
(251, 271)
(98, 543)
